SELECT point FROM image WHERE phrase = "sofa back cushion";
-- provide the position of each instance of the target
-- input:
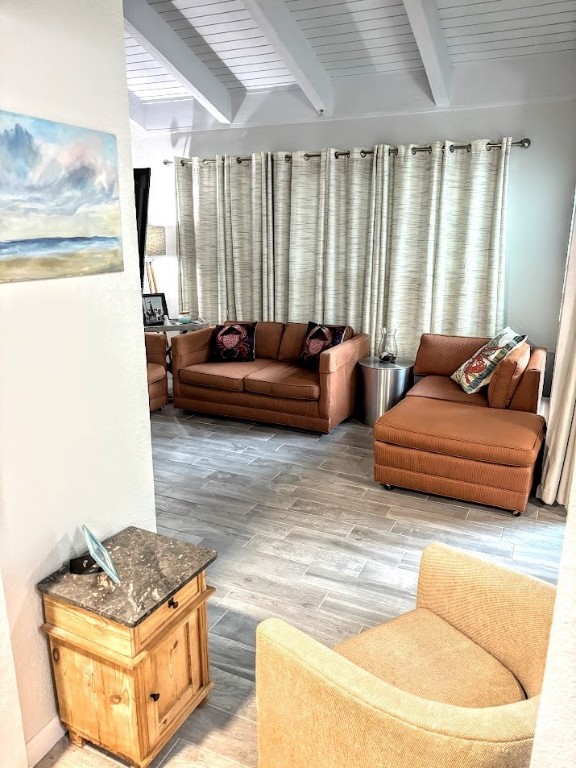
(440, 355)
(267, 340)
(507, 375)
(293, 341)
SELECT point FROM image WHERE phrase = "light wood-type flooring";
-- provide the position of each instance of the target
(304, 533)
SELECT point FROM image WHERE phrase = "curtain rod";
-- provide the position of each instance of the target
(522, 143)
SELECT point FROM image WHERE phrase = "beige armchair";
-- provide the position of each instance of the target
(156, 369)
(454, 683)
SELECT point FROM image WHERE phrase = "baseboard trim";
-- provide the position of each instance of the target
(42, 743)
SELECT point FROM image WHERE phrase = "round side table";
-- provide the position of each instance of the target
(384, 384)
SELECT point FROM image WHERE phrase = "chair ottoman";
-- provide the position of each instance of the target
(484, 455)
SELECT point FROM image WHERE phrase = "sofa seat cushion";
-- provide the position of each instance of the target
(424, 655)
(155, 372)
(492, 435)
(285, 380)
(222, 375)
(443, 388)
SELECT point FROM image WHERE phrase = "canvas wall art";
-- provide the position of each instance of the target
(59, 204)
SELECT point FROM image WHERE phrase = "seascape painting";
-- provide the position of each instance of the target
(59, 204)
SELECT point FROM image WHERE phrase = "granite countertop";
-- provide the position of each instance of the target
(151, 568)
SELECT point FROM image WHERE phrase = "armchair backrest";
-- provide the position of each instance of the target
(507, 613)
(156, 346)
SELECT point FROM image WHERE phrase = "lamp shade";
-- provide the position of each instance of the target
(155, 241)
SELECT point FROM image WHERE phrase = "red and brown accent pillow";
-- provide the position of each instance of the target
(317, 339)
(233, 343)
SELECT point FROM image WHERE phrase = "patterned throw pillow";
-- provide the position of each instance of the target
(477, 371)
(233, 343)
(317, 339)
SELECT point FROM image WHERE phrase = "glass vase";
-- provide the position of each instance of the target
(388, 347)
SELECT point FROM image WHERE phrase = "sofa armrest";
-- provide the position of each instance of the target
(317, 709)
(528, 393)
(347, 353)
(191, 348)
(156, 346)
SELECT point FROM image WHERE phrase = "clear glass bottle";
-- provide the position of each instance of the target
(388, 347)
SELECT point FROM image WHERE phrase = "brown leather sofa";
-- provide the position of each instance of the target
(156, 369)
(481, 447)
(273, 387)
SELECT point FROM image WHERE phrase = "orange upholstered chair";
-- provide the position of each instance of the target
(156, 368)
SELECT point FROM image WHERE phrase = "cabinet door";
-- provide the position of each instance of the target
(172, 676)
(96, 699)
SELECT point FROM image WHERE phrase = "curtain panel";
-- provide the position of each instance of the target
(412, 239)
(559, 471)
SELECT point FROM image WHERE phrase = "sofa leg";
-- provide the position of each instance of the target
(388, 487)
(516, 512)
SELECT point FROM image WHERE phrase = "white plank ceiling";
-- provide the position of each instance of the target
(348, 37)
(358, 37)
(494, 29)
(148, 79)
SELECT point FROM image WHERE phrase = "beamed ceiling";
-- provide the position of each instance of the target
(219, 52)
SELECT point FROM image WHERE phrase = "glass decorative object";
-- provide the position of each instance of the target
(388, 347)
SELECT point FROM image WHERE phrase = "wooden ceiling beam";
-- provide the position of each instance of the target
(285, 36)
(429, 33)
(157, 37)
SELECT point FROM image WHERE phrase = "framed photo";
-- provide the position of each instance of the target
(100, 554)
(154, 308)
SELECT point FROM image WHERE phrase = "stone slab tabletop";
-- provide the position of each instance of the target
(151, 569)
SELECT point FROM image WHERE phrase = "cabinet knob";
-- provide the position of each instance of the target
(154, 696)
(173, 603)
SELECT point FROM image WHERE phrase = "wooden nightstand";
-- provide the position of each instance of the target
(130, 662)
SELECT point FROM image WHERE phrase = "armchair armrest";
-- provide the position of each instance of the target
(156, 346)
(529, 390)
(492, 605)
(317, 709)
(191, 348)
(349, 352)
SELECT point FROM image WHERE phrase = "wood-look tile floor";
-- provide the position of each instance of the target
(304, 533)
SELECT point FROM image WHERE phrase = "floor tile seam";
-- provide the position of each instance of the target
(448, 520)
(218, 620)
(210, 705)
(228, 640)
(170, 751)
(300, 562)
(232, 762)
(342, 504)
(470, 538)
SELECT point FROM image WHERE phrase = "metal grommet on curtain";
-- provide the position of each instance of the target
(413, 150)
(451, 148)
(183, 162)
(287, 158)
(239, 160)
(306, 156)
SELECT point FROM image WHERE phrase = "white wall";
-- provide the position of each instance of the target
(12, 745)
(74, 434)
(541, 188)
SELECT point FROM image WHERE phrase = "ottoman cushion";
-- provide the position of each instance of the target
(495, 436)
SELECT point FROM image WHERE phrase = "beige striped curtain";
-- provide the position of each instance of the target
(413, 240)
(559, 473)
